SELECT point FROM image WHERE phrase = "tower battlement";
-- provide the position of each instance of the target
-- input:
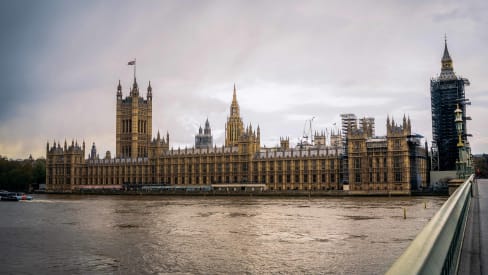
(393, 129)
(133, 122)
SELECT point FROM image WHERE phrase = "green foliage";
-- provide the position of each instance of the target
(39, 171)
(481, 166)
(18, 175)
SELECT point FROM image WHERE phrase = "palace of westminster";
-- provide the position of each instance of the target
(353, 160)
(356, 158)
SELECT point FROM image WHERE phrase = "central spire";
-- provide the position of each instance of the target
(234, 107)
(234, 97)
(234, 126)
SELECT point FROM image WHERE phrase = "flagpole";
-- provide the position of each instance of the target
(133, 63)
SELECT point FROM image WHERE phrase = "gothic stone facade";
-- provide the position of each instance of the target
(391, 164)
(133, 123)
(141, 162)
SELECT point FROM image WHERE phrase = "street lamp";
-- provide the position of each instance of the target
(459, 126)
(463, 158)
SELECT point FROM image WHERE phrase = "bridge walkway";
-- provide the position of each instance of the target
(474, 253)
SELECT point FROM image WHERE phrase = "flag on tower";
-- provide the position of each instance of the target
(133, 62)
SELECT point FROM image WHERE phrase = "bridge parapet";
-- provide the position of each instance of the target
(437, 247)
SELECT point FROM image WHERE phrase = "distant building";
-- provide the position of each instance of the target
(204, 137)
(447, 91)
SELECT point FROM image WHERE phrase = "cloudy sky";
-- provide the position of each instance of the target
(290, 60)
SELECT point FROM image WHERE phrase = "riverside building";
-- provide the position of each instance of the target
(395, 163)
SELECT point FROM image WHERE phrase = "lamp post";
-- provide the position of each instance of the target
(462, 158)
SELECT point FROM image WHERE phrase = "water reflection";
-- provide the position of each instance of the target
(118, 234)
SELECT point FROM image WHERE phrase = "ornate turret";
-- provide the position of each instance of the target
(93, 154)
(284, 143)
(248, 142)
(135, 89)
(258, 132)
(393, 129)
(207, 129)
(158, 146)
(149, 91)
(119, 91)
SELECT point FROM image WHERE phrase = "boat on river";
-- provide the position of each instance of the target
(23, 197)
(8, 196)
(12, 196)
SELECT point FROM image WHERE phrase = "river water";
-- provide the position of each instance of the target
(71, 234)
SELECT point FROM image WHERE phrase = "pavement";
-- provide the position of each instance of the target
(474, 253)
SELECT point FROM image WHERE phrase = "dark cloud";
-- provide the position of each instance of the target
(18, 30)
(291, 61)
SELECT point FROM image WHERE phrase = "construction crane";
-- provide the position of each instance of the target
(307, 138)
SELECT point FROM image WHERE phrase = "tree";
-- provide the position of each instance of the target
(39, 172)
(19, 175)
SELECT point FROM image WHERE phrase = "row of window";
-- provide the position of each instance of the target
(107, 170)
(127, 126)
(127, 151)
(271, 179)
(210, 168)
(376, 162)
(377, 177)
(261, 165)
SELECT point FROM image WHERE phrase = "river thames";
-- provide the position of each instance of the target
(163, 234)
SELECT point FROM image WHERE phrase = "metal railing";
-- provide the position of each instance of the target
(437, 247)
